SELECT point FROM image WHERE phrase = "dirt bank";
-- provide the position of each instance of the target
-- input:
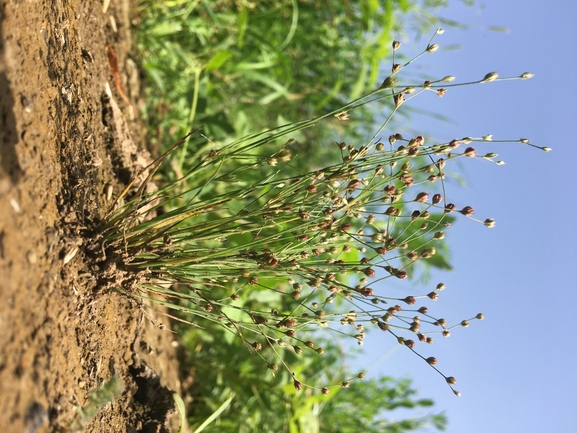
(63, 145)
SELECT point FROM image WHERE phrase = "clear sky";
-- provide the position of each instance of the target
(517, 369)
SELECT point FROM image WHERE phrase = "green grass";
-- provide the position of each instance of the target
(240, 67)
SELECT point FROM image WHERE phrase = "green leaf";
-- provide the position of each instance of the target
(181, 411)
(219, 58)
(242, 24)
(214, 415)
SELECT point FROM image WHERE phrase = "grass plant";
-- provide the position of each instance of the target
(280, 260)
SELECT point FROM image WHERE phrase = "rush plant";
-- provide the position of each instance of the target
(277, 260)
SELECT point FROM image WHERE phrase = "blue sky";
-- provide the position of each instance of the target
(517, 369)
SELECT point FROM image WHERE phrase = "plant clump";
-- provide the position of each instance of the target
(274, 254)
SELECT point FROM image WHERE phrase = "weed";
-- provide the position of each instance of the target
(100, 396)
(276, 259)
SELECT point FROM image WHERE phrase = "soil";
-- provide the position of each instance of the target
(67, 147)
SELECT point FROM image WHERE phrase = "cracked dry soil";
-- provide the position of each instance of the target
(63, 144)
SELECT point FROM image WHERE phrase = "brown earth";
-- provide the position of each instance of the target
(63, 143)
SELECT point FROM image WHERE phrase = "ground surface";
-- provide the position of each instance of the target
(63, 144)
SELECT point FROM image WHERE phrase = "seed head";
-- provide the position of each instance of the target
(401, 274)
(287, 323)
(325, 391)
(298, 385)
(448, 79)
(451, 380)
(311, 188)
(427, 253)
(491, 76)
(295, 295)
(256, 346)
(366, 291)
(381, 250)
(432, 48)
(383, 326)
(489, 222)
(423, 310)
(369, 272)
(450, 208)
(410, 300)
(259, 320)
(446, 333)
(305, 215)
(439, 235)
(433, 295)
(396, 68)
(441, 92)
(526, 75)
(480, 316)
(453, 144)
(470, 152)
(407, 179)
(390, 189)
(465, 323)
(412, 256)
(345, 384)
(273, 367)
(392, 211)
(353, 184)
(298, 350)
(431, 360)
(437, 198)
(396, 45)
(389, 82)
(467, 211)
(422, 197)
